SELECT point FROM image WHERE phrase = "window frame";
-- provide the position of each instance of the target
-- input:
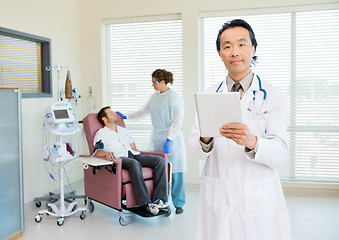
(141, 127)
(292, 11)
(46, 80)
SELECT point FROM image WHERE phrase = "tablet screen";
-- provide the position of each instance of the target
(216, 109)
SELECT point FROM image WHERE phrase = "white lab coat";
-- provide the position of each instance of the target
(241, 196)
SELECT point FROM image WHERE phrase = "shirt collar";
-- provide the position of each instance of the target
(110, 130)
(245, 82)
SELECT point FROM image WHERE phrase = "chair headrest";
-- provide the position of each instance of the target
(92, 125)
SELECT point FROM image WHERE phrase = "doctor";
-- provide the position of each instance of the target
(241, 196)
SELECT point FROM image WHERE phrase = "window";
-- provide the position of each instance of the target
(23, 61)
(297, 52)
(134, 49)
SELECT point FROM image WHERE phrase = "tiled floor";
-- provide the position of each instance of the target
(311, 219)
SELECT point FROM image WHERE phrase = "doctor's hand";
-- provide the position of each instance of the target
(166, 146)
(122, 115)
(239, 133)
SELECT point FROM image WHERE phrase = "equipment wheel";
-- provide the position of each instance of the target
(124, 221)
(38, 218)
(37, 204)
(168, 213)
(83, 215)
(60, 221)
(90, 206)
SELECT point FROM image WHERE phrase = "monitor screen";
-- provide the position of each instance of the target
(61, 114)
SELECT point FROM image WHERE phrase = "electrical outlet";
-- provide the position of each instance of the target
(91, 90)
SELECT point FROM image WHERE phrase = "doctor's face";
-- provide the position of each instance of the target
(236, 51)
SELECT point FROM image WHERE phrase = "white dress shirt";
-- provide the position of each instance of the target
(118, 142)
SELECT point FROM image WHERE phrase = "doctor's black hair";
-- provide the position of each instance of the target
(238, 23)
(102, 114)
(162, 74)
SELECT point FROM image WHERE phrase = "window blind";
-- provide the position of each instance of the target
(297, 52)
(20, 63)
(133, 51)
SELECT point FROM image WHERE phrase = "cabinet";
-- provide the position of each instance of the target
(11, 172)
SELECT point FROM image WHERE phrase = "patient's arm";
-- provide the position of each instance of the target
(101, 153)
(134, 147)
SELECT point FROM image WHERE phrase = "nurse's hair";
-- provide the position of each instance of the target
(162, 74)
(102, 114)
(238, 23)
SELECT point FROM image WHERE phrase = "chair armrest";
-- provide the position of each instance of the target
(159, 153)
(116, 161)
(168, 165)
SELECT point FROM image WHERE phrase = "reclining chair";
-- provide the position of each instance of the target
(110, 184)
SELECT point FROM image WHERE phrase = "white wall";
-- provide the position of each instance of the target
(92, 14)
(59, 21)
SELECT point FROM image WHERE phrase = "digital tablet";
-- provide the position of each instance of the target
(216, 109)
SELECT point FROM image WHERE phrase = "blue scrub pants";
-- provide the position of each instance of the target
(178, 189)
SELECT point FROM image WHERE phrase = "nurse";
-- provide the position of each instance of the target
(241, 195)
(167, 112)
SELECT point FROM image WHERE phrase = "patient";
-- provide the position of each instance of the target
(113, 141)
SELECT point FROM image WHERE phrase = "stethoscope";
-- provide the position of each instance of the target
(252, 104)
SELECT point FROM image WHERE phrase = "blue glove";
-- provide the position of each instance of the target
(122, 115)
(167, 145)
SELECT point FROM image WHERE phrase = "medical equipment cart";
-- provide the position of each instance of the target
(60, 120)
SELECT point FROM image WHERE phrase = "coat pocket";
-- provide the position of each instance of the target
(213, 215)
(260, 198)
(210, 199)
(257, 127)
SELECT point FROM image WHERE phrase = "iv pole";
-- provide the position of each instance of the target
(72, 208)
(58, 69)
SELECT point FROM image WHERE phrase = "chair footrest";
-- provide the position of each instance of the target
(141, 211)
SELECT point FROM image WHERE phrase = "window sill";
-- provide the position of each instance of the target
(300, 189)
(311, 189)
